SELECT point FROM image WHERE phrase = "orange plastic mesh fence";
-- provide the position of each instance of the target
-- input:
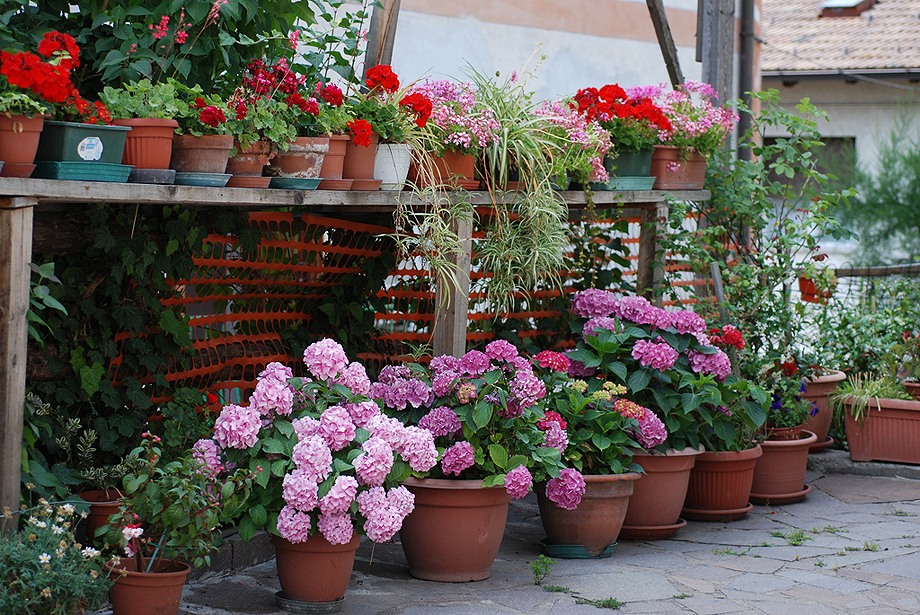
(240, 302)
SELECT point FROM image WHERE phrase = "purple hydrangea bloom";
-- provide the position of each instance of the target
(555, 437)
(593, 302)
(601, 322)
(445, 363)
(657, 355)
(518, 482)
(441, 421)
(717, 364)
(501, 350)
(527, 390)
(566, 490)
(475, 363)
(652, 431)
(457, 458)
(686, 321)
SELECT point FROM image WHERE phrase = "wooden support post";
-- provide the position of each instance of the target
(15, 255)
(452, 299)
(381, 34)
(665, 41)
(650, 271)
(716, 45)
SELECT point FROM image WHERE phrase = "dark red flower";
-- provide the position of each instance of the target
(420, 105)
(212, 116)
(361, 132)
(789, 368)
(382, 77)
(331, 94)
(551, 416)
(199, 103)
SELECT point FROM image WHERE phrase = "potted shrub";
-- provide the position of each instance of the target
(903, 360)
(202, 147)
(333, 119)
(150, 109)
(327, 466)
(882, 419)
(21, 121)
(168, 518)
(597, 429)
(482, 410)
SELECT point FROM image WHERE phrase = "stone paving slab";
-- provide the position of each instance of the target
(859, 555)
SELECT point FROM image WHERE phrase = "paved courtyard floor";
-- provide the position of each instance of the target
(852, 547)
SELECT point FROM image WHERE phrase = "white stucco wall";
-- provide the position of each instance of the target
(865, 110)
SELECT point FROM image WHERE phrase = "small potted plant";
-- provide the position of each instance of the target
(334, 117)
(202, 147)
(482, 409)
(45, 569)
(903, 359)
(21, 121)
(580, 144)
(168, 519)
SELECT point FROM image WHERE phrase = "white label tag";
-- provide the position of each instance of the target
(90, 148)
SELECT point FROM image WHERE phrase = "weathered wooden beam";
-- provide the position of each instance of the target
(382, 34)
(452, 298)
(716, 45)
(15, 254)
(665, 41)
(650, 268)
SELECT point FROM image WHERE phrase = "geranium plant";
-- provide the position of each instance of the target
(201, 114)
(325, 459)
(601, 425)
(483, 410)
(393, 114)
(458, 122)
(258, 107)
(634, 122)
(580, 144)
(667, 363)
(143, 99)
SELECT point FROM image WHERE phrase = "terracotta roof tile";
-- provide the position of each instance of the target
(886, 36)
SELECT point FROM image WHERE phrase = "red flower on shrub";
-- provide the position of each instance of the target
(789, 368)
(55, 42)
(361, 132)
(212, 116)
(420, 105)
(331, 94)
(551, 416)
(382, 77)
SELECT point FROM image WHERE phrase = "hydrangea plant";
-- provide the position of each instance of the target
(484, 411)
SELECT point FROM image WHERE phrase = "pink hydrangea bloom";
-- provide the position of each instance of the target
(299, 490)
(383, 524)
(374, 462)
(652, 431)
(276, 371)
(501, 350)
(518, 482)
(370, 500)
(566, 490)
(401, 500)
(325, 359)
(555, 437)
(686, 321)
(717, 364)
(457, 458)
(207, 453)
(340, 496)
(362, 412)
(593, 302)
(466, 392)
(638, 310)
(441, 421)
(418, 449)
(336, 428)
(237, 427)
(394, 373)
(389, 429)
(355, 378)
(445, 363)
(294, 525)
(384, 512)
(601, 322)
(443, 383)
(305, 426)
(556, 361)
(475, 363)
(337, 529)
(527, 389)
(401, 392)
(313, 457)
(272, 396)
(657, 355)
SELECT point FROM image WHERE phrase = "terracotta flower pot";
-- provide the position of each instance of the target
(331, 171)
(595, 524)
(204, 154)
(658, 496)
(779, 474)
(672, 173)
(453, 169)
(720, 485)
(149, 143)
(314, 571)
(818, 392)
(103, 503)
(19, 136)
(891, 434)
(147, 593)
(359, 160)
(303, 159)
(455, 531)
(250, 161)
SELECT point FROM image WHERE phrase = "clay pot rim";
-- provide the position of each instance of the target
(145, 121)
(671, 452)
(449, 483)
(104, 496)
(748, 453)
(607, 478)
(834, 375)
(807, 438)
(887, 403)
(184, 568)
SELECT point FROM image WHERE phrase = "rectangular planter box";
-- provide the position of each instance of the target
(892, 434)
(75, 142)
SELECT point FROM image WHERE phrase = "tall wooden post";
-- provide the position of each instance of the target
(381, 34)
(452, 299)
(665, 41)
(15, 255)
(715, 45)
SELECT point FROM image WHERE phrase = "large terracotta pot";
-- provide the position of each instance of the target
(147, 593)
(889, 434)
(149, 143)
(19, 136)
(658, 496)
(779, 474)
(314, 571)
(818, 392)
(453, 169)
(204, 154)
(595, 524)
(359, 160)
(103, 503)
(455, 531)
(720, 485)
(250, 161)
(672, 173)
(303, 159)
(392, 165)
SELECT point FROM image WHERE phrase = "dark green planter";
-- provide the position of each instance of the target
(629, 164)
(75, 142)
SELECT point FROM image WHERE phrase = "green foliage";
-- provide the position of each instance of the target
(143, 99)
(40, 299)
(20, 103)
(885, 215)
(47, 479)
(541, 568)
(860, 393)
(44, 570)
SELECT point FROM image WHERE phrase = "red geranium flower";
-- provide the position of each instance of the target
(212, 116)
(361, 132)
(331, 94)
(382, 77)
(420, 105)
